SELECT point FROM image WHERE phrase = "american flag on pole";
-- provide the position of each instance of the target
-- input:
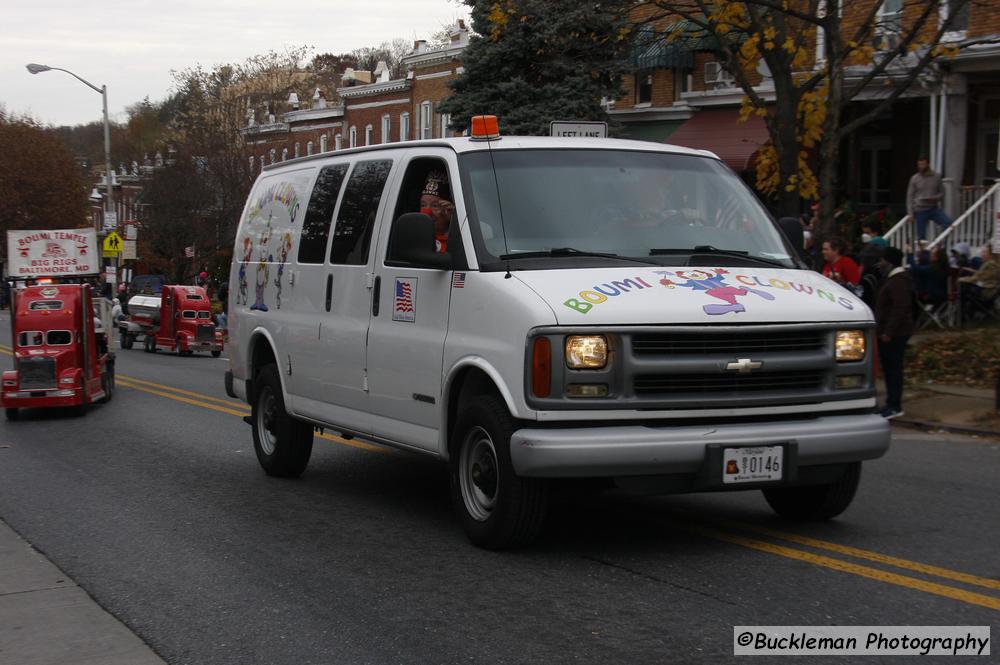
(404, 302)
(189, 252)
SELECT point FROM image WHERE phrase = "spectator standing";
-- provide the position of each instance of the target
(838, 267)
(923, 198)
(894, 323)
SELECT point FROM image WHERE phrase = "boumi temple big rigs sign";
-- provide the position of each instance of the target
(52, 253)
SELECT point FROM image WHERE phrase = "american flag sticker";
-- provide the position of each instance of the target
(458, 280)
(404, 299)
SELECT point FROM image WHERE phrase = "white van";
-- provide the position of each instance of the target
(605, 309)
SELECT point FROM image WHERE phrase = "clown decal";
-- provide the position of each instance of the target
(283, 249)
(263, 267)
(714, 286)
(271, 220)
(241, 298)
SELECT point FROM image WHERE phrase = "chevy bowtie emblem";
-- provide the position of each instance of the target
(744, 365)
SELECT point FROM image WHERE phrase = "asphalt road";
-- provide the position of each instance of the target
(155, 505)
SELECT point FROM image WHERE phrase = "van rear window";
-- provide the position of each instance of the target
(319, 214)
(204, 315)
(46, 305)
(189, 314)
(353, 233)
(193, 296)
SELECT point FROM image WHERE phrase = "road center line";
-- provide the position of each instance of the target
(852, 568)
(228, 402)
(130, 383)
(868, 555)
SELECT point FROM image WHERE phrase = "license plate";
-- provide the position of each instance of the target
(752, 465)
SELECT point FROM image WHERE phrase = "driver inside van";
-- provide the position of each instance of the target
(435, 201)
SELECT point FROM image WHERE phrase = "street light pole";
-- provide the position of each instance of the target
(109, 201)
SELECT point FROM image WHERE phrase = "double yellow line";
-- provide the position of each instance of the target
(228, 406)
(845, 565)
(761, 539)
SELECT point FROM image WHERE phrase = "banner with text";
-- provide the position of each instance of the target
(52, 253)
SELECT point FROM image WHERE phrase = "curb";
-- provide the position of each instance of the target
(944, 427)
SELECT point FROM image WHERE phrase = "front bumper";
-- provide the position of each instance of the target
(35, 399)
(637, 450)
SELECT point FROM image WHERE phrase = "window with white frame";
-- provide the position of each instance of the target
(309, 147)
(298, 150)
(959, 27)
(444, 121)
(889, 25)
(322, 143)
(338, 142)
(369, 133)
(404, 126)
(353, 137)
(386, 128)
(426, 119)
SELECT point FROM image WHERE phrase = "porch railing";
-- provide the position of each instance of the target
(975, 226)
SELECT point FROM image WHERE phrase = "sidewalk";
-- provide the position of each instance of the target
(949, 407)
(46, 619)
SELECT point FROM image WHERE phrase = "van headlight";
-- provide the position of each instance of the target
(850, 345)
(586, 351)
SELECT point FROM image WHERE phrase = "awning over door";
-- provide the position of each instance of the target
(721, 131)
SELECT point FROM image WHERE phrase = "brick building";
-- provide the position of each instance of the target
(369, 108)
(680, 93)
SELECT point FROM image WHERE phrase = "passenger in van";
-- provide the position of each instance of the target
(435, 201)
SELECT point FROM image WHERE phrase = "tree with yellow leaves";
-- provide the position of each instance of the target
(820, 55)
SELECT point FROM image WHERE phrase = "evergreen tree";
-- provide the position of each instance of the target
(534, 61)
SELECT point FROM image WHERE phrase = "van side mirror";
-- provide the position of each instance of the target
(412, 243)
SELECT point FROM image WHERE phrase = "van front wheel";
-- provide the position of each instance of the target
(816, 502)
(282, 443)
(497, 508)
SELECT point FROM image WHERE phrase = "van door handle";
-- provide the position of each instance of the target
(375, 295)
(329, 291)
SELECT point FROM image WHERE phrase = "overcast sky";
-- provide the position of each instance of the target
(132, 46)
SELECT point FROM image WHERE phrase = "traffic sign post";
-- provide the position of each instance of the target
(112, 246)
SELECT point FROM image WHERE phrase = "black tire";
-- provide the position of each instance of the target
(216, 354)
(125, 340)
(816, 502)
(108, 383)
(282, 443)
(497, 508)
(12, 413)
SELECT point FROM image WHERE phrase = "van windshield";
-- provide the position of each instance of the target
(613, 205)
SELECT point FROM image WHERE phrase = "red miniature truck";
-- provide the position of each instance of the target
(179, 319)
(61, 355)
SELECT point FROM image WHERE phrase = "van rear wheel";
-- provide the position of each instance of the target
(816, 502)
(282, 443)
(497, 508)
(12, 413)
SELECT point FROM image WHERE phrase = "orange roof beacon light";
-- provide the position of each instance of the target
(485, 128)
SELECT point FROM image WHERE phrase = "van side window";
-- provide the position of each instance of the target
(319, 214)
(353, 233)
